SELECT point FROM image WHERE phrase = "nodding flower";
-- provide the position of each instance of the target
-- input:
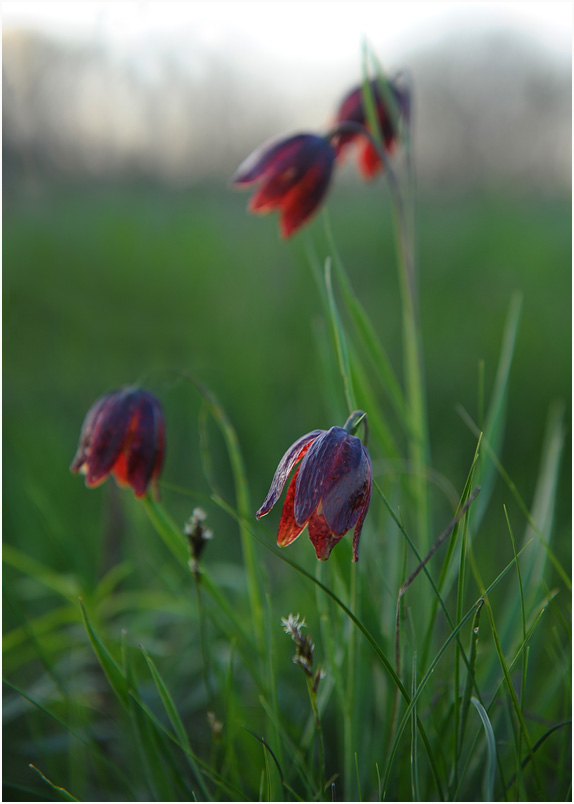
(330, 491)
(352, 110)
(122, 435)
(292, 175)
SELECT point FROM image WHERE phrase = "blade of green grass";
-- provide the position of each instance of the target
(174, 719)
(367, 334)
(490, 770)
(514, 698)
(340, 341)
(520, 502)
(96, 752)
(496, 413)
(243, 504)
(64, 585)
(60, 791)
(112, 670)
(415, 789)
(543, 504)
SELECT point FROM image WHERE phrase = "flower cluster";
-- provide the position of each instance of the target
(293, 174)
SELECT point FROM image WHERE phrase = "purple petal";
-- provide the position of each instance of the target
(90, 421)
(286, 464)
(270, 156)
(302, 201)
(332, 456)
(359, 525)
(343, 504)
(103, 434)
(144, 455)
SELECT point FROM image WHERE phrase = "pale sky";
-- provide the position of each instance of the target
(296, 32)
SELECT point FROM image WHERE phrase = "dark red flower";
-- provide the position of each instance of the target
(122, 435)
(293, 176)
(352, 110)
(329, 492)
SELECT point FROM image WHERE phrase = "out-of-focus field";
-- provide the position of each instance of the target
(111, 286)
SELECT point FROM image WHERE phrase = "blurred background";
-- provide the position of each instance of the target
(127, 258)
(126, 254)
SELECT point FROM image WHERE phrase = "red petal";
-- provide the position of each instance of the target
(288, 527)
(143, 448)
(272, 192)
(321, 537)
(304, 198)
(369, 162)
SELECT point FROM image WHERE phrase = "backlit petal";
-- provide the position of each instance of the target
(329, 459)
(270, 157)
(109, 434)
(143, 441)
(302, 201)
(359, 525)
(288, 528)
(295, 452)
(321, 537)
(343, 503)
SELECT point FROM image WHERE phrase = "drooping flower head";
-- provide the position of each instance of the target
(292, 175)
(352, 110)
(122, 435)
(329, 492)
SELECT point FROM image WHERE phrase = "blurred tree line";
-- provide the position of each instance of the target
(490, 110)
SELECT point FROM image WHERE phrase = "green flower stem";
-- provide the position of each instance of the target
(350, 694)
(203, 643)
(313, 699)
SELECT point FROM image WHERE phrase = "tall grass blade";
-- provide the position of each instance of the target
(243, 504)
(64, 585)
(496, 413)
(490, 770)
(513, 697)
(520, 502)
(414, 734)
(470, 675)
(340, 341)
(542, 510)
(112, 671)
(174, 719)
(367, 334)
(60, 791)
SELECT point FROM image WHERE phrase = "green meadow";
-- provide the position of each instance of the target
(106, 286)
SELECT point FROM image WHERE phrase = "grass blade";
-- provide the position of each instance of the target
(490, 770)
(61, 791)
(174, 719)
(112, 671)
(340, 341)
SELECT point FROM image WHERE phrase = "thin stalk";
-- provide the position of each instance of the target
(348, 721)
(313, 699)
(203, 644)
